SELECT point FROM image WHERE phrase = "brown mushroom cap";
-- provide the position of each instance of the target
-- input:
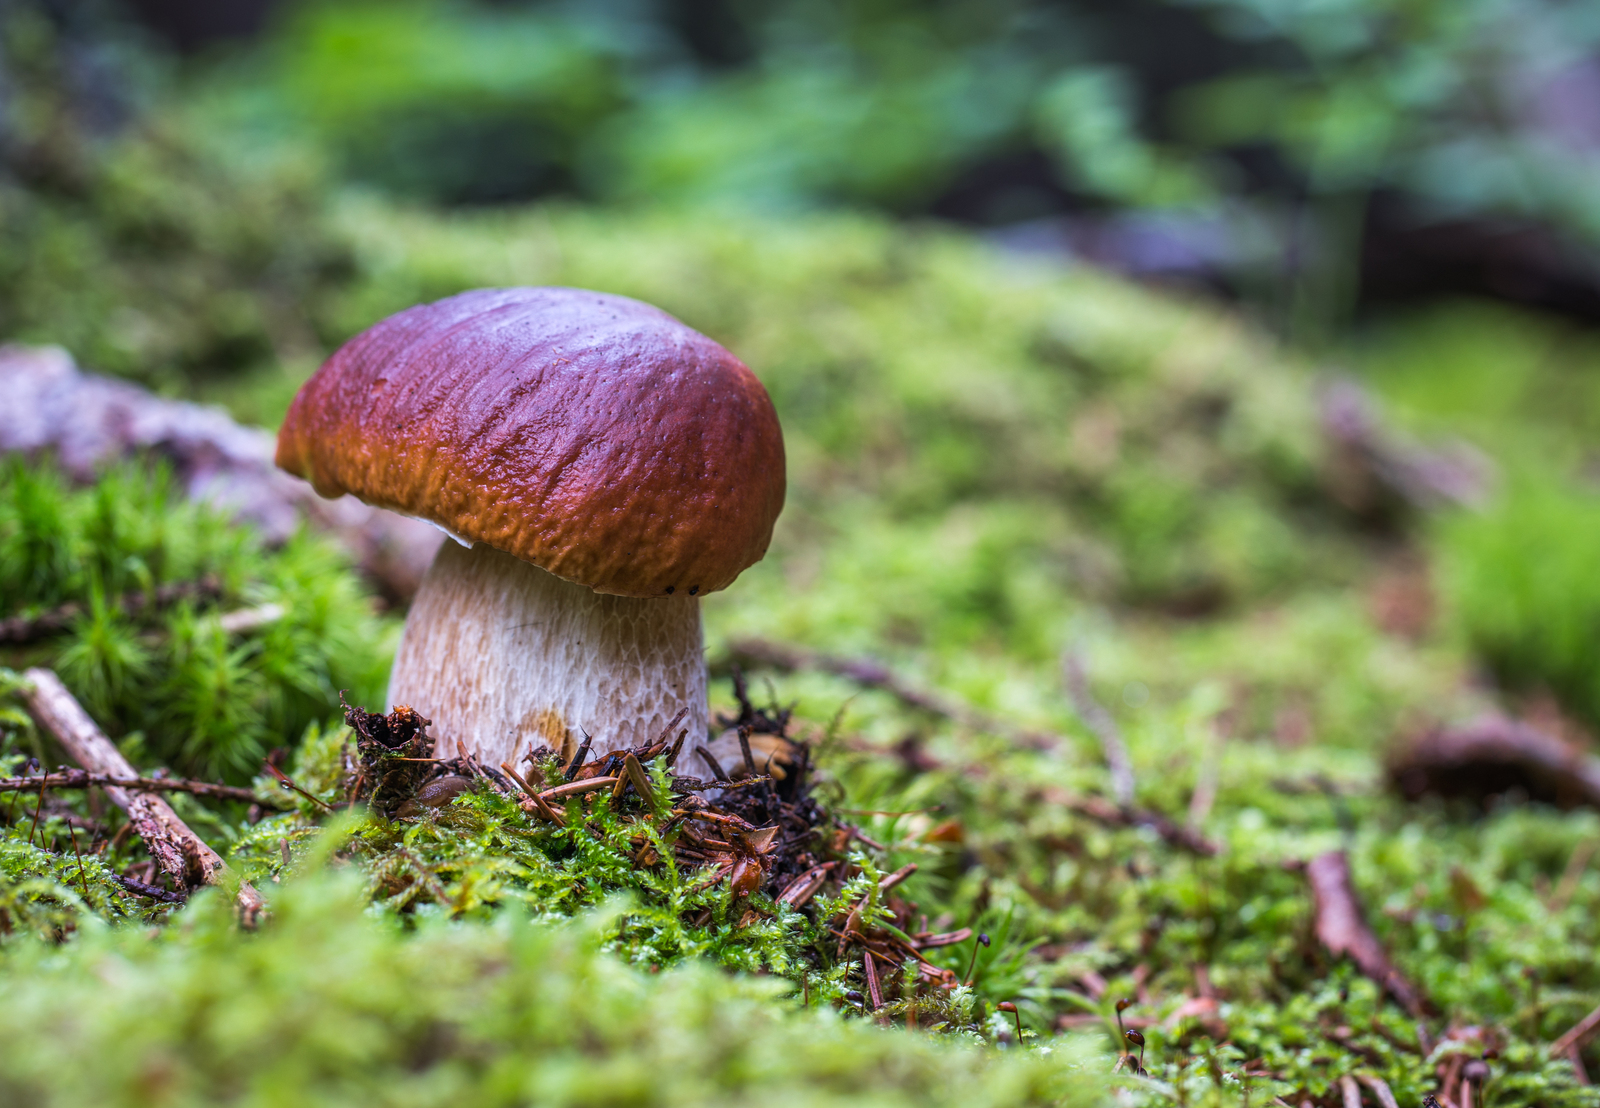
(592, 435)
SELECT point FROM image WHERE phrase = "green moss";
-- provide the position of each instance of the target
(1516, 575)
(329, 1007)
(990, 464)
(1521, 581)
(167, 681)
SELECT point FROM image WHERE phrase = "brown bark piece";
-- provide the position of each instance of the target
(1342, 928)
(83, 421)
(175, 848)
(1493, 754)
(82, 779)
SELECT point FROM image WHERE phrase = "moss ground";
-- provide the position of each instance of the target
(993, 466)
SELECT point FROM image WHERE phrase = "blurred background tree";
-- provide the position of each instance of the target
(1303, 154)
(1306, 155)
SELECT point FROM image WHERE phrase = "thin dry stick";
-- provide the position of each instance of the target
(1577, 1035)
(715, 766)
(640, 779)
(82, 779)
(1342, 928)
(288, 782)
(176, 849)
(874, 675)
(577, 788)
(37, 809)
(872, 980)
(1575, 1060)
(1098, 720)
(1380, 1089)
(518, 778)
(1207, 780)
(244, 620)
(1204, 795)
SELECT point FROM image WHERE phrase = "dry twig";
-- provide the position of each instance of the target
(1342, 928)
(1104, 811)
(65, 778)
(176, 849)
(874, 675)
(1578, 1034)
(1380, 1089)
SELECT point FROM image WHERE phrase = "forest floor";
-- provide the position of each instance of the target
(1173, 725)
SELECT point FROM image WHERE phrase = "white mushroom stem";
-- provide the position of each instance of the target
(499, 654)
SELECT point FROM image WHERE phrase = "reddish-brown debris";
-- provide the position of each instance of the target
(1494, 755)
(1341, 927)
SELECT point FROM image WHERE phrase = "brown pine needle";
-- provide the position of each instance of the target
(575, 788)
(640, 779)
(872, 980)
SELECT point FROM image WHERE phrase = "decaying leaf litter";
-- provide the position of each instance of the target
(1251, 734)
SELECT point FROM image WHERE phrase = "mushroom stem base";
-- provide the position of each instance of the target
(500, 654)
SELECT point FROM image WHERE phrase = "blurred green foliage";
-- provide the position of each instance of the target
(883, 103)
(130, 242)
(327, 1007)
(1522, 580)
(452, 103)
(1516, 576)
(1299, 114)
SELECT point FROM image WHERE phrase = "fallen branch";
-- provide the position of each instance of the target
(874, 675)
(176, 849)
(84, 421)
(26, 629)
(1342, 928)
(82, 779)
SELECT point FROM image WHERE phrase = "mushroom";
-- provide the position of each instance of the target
(600, 466)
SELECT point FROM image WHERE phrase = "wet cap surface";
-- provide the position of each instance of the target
(592, 435)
